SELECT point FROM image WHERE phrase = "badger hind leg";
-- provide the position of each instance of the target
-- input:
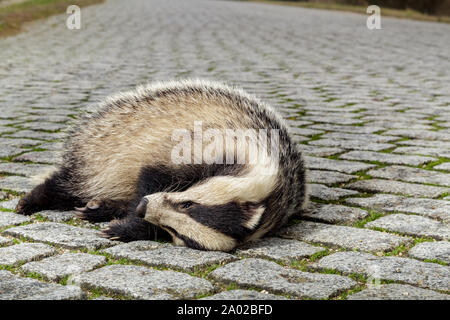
(49, 195)
(101, 210)
(133, 228)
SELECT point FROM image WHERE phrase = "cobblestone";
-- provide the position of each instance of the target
(68, 264)
(278, 249)
(272, 277)
(397, 292)
(13, 287)
(360, 129)
(143, 283)
(343, 236)
(403, 188)
(168, 256)
(24, 252)
(341, 166)
(11, 219)
(62, 235)
(412, 225)
(412, 175)
(323, 192)
(439, 250)
(386, 158)
(336, 214)
(244, 295)
(410, 271)
(437, 209)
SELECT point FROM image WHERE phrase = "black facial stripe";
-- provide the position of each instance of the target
(187, 241)
(228, 219)
(163, 178)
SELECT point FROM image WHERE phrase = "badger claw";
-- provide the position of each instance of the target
(90, 207)
(106, 233)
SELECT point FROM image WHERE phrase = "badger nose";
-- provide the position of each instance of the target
(142, 208)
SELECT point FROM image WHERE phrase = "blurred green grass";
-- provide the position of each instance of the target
(13, 16)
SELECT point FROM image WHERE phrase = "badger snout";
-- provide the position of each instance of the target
(142, 208)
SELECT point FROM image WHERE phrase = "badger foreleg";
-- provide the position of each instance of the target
(133, 228)
(49, 195)
(101, 210)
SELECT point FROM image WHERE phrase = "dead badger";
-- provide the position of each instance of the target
(169, 159)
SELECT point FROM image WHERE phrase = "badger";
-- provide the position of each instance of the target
(140, 160)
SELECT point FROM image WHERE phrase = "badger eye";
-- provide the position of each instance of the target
(185, 204)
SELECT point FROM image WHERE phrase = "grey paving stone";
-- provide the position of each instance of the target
(412, 225)
(305, 131)
(437, 152)
(243, 295)
(319, 151)
(53, 146)
(436, 144)
(19, 143)
(11, 219)
(17, 183)
(359, 136)
(68, 264)
(278, 249)
(396, 291)
(8, 151)
(328, 177)
(49, 126)
(349, 129)
(37, 135)
(436, 209)
(343, 236)
(143, 283)
(13, 287)
(3, 195)
(410, 271)
(336, 165)
(334, 213)
(352, 144)
(332, 119)
(439, 250)
(389, 186)
(5, 241)
(24, 252)
(299, 139)
(23, 169)
(183, 258)
(273, 277)
(443, 166)
(386, 158)
(63, 235)
(56, 216)
(10, 205)
(419, 134)
(323, 192)
(412, 175)
(52, 157)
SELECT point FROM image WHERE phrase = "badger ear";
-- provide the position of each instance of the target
(253, 213)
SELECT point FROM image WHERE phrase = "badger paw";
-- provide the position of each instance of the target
(129, 229)
(90, 212)
(25, 207)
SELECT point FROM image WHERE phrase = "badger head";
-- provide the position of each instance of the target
(217, 214)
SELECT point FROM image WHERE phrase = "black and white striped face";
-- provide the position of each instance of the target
(198, 225)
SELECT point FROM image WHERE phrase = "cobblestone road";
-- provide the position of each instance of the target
(371, 110)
